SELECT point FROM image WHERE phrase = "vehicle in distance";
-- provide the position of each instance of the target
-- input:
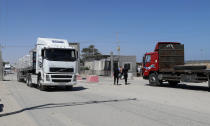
(7, 69)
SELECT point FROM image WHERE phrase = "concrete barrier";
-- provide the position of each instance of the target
(92, 78)
(79, 77)
(130, 76)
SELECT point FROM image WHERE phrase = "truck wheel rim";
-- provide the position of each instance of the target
(153, 79)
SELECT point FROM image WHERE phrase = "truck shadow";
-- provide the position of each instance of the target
(59, 105)
(63, 89)
(1, 107)
(7, 80)
(185, 86)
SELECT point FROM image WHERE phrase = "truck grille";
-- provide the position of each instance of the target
(55, 69)
(61, 76)
(56, 80)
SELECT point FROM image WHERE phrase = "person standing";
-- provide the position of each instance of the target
(125, 74)
(116, 75)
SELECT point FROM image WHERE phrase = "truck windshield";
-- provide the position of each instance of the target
(60, 54)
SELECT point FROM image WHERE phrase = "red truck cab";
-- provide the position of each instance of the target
(150, 63)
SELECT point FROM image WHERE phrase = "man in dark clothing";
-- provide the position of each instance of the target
(116, 75)
(125, 74)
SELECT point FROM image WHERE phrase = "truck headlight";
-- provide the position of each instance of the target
(47, 78)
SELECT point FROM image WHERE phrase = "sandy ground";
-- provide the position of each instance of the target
(105, 104)
(11, 105)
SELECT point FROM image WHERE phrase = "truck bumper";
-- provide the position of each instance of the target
(59, 80)
(59, 84)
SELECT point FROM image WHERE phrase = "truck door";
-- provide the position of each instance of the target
(147, 64)
(150, 63)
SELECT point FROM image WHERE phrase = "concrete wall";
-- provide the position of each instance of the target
(128, 59)
(97, 66)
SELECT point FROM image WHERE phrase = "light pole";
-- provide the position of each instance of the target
(93, 64)
(118, 47)
(111, 58)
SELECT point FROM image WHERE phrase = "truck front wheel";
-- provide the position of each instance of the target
(153, 80)
(40, 86)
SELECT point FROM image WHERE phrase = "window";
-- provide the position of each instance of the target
(148, 58)
(127, 65)
(60, 54)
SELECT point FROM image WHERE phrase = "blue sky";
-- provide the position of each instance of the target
(140, 24)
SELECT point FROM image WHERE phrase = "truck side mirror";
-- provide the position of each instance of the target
(42, 53)
(77, 54)
(143, 60)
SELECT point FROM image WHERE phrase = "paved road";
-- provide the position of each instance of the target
(104, 104)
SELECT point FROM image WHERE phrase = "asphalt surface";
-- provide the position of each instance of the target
(105, 104)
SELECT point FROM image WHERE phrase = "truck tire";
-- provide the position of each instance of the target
(153, 80)
(173, 83)
(40, 86)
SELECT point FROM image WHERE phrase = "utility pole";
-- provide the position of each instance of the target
(118, 47)
(93, 64)
(1, 65)
(112, 62)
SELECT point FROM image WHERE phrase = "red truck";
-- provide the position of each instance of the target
(167, 64)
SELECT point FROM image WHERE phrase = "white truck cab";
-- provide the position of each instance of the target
(53, 63)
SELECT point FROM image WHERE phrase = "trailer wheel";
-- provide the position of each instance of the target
(153, 80)
(173, 83)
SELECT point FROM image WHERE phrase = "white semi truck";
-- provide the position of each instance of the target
(51, 63)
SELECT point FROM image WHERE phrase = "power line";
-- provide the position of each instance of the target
(15, 46)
